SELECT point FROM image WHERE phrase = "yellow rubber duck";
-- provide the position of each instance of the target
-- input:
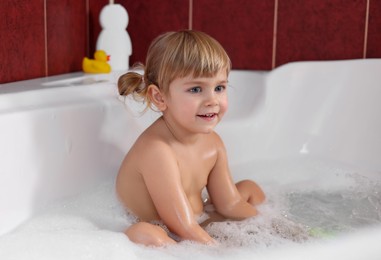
(98, 65)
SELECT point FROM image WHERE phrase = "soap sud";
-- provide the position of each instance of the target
(90, 226)
(259, 232)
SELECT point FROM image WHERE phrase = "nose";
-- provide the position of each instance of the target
(211, 99)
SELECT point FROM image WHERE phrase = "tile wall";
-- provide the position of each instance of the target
(48, 37)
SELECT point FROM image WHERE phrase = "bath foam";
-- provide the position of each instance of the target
(90, 226)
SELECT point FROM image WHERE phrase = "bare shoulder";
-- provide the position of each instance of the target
(152, 147)
(217, 141)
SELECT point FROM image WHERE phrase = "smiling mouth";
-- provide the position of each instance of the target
(208, 116)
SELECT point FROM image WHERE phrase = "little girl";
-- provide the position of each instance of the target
(162, 176)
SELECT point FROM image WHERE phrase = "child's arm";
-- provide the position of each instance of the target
(162, 178)
(222, 190)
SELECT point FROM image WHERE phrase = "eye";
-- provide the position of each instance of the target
(220, 88)
(195, 90)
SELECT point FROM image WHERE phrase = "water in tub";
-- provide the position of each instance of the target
(295, 215)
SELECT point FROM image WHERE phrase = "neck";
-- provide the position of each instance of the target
(181, 136)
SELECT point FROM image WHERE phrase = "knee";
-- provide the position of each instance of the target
(148, 234)
(251, 192)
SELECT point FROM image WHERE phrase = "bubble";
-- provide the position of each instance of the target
(91, 225)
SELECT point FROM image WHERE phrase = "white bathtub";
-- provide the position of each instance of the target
(60, 136)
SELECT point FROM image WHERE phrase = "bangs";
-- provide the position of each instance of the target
(202, 56)
(193, 53)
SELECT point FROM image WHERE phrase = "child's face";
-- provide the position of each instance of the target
(197, 104)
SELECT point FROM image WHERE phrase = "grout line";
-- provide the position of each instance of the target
(275, 32)
(87, 29)
(46, 39)
(190, 21)
(366, 28)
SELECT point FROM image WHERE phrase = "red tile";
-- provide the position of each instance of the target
(95, 8)
(243, 27)
(66, 35)
(320, 30)
(147, 19)
(374, 30)
(22, 40)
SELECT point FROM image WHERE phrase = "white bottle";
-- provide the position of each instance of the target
(114, 39)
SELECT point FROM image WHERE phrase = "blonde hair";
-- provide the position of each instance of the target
(175, 55)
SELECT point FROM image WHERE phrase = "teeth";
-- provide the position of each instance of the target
(207, 115)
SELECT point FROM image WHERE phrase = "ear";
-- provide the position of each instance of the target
(157, 97)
